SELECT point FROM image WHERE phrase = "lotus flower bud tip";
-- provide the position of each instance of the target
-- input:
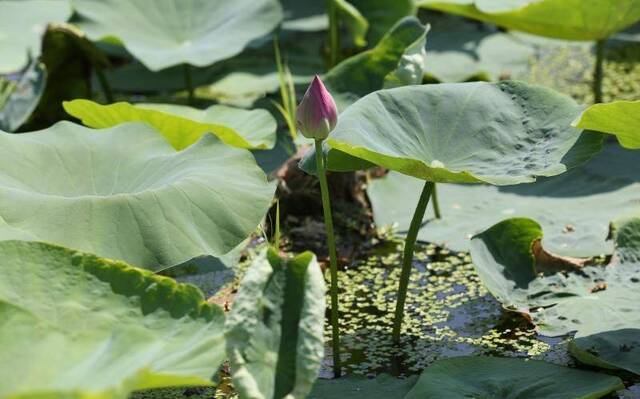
(317, 113)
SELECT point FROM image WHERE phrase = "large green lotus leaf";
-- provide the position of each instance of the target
(618, 349)
(620, 118)
(274, 331)
(569, 207)
(125, 193)
(492, 377)
(182, 125)
(22, 23)
(499, 133)
(588, 299)
(164, 33)
(75, 326)
(561, 19)
(383, 386)
(23, 97)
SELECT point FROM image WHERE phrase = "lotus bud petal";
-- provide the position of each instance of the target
(317, 113)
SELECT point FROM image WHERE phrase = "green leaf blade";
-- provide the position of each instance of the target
(274, 331)
(124, 193)
(73, 325)
(165, 33)
(492, 377)
(561, 19)
(504, 133)
(619, 118)
(182, 125)
(597, 302)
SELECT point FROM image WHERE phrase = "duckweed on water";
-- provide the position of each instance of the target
(449, 313)
(569, 69)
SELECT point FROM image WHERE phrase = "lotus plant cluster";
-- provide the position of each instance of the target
(150, 207)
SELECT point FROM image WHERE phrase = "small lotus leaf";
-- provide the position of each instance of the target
(576, 296)
(275, 328)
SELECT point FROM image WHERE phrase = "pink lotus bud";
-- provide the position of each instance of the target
(317, 113)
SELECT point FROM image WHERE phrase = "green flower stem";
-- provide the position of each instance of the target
(333, 259)
(407, 258)
(188, 83)
(104, 83)
(334, 37)
(434, 201)
(598, 72)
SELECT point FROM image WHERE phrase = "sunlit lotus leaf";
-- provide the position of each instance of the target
(22, 23)
(619, 118)
(562, 19)
(182, 125)
(164, 33)
(125, 193)
(76, 326)
(275, 328)
(493, 377)
(499, 133)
